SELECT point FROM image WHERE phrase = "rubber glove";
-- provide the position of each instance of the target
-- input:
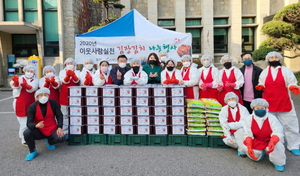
(220, 88)
(88, 79)
(273, 141)
(166, 82)
(259, 87)
(294, 89)
(15, 79)
(248, 143)
(47, 80)
(25, 85)
(228, 84)
(203, 86)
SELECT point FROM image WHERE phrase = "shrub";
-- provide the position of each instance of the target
(260, 53)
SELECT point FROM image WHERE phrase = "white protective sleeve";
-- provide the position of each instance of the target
(63, 73)
(83, 74)
(141, 81)
(42, 82)
(215, 75)
(164, 72)
(238, 75)
(17, 90)
(194, 77)
(96, 79)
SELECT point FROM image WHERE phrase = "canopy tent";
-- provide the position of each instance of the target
(132, 35)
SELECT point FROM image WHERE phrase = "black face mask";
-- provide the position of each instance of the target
(227, 65)
(274, 63)
(153, 62)
(136, 69)
(170, 68)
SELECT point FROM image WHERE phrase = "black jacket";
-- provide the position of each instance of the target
(255, 75)
(113, 74)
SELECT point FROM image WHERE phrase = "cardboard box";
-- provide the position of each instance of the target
(109, 129)
(159, 91)
(143, 120)
(109, 120)
(94, 101)
(108, 92)
(109, 111)
(160, 110)
(126, 101)
(93, 129)
(75, 101)
(142, 101)
(141, 110)
(178, 129)
(160, 120)
(92, 110)
(126, 110)
(161, 129)
(91, 91)
(73, 110)
(108, 101)
(93, 120)
(177, 110)
(76, 129)
(143, 130)
(76, 120)
(126, 91)
(126, 120)
(127, 129)
(177, 120)
(177, 101)
(177, 91)
(142, 92)
(160, 101)
(75, 91)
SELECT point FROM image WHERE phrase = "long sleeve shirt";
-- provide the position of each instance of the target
(113, 74)
(156, 69)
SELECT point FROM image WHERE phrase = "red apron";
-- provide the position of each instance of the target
(139, 76)
(49, 121)
(90, 83)
(226, 89)
(107, 80)
(189, 91)
(261, 136)
(63, 96)
(24, 100)
(209, 92)
(276, 93)
(168, 77)
(237, 117)
(54, 94)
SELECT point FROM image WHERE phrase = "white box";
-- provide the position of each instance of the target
(160, 101)
(177, 120)
(93, 129)
(108, 101)
(160, 120)
(125, 92)
(159, 91)
(109, 111)
(92, 101)
(75, 111)
(75, 129)
(75, 101)
(177, 91)
(93, 120)
(160, 110)
(75, 91)
(143, 130)
(76, 120)
(91, 91)
(126, 120)
(142, 110)
(178, 129)
(126, 110)
(109, 129)
(92, 110)
(142, 101)
(177, 101)
(143, 120)
(125, 101)
(108, 92)
(162, 129)
(177, 110)
(142, 92)
(126, 129)
(109, 120)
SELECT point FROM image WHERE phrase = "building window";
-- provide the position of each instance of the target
(24, 45)
(220, 40)
(30, 11)
(196, 39)
(168, 22)
(11, 10)
(248, 39)
(51, 44)
(220, 21)
(247, 20)
(193, 22)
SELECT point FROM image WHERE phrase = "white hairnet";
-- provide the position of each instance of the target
(230, 95)
(28, 67)
(135, 60)
(89, 60)
(206, 56)
(259, 102)
(174, 61)
(48, 67)
(186, 57)
(163, 53)
(273, 53)
(70, 60)
(40, 91)
(224, 57)
(100, 62)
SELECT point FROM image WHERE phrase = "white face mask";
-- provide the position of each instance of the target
(89, 66)
(163, 58)
(104, 69)
(28, 75)
(122, 65)
(206, 63)
(70, 67)
(186, 64)
(49, 74)
(232, 104)
(43, 99)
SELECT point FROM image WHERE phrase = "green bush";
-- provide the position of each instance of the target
(297, 75)
(260, 53)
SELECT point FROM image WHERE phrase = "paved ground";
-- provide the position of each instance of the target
(124, 160)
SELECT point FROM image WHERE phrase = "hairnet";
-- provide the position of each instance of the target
(70, 60)
(273, 53)
(135, 60)
(224, 57)
(174, 61)
(40, 91)
(89, 60)
(28, 67)
(48, 67)
(100, 62)
(206, 56)
(186, 57)
(163, 53)
(230, 95)
(259, 102)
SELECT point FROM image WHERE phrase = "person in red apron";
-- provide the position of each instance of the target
(68, 77)
(51, 81)
(101, 76)
(136, 75)
(171, 75)
(277, 82)
(190, 77)
(208, 78)
(86, 75)
(44, 121)
(231, 119)
(230, 80)
(264, 134)
(23, 93)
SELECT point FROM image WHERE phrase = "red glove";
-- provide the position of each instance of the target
(166, 81)
(88, 79)
(52, 79)
(294, 89)
(67, 79)
(220, 88)
(209, 85)
(70, 73)
(54, 83)
(25, 85)
(248, 143)
(203, 86)
(228, 84)
(75, 78)
(47, 80)
(174, 81)
(259, 87)
(15, 79)
(273, 141)
(47, 84)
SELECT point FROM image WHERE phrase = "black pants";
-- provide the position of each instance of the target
(31, 135)
(247, 105)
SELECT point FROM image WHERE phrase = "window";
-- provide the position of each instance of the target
(163, 23)
(250, 20)
(196, 39)
(220, 40)
(220, 21)
(24, 45)
(193, 22)
(30, 11)
(247, 39)
(50, 28)
(11, 10)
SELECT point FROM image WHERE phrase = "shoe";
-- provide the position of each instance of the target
(66, 137)
(262, 155)
(25, 144)
(50, 147)
(279, 168)
(295, 152)
(241, 154)
(31, 156)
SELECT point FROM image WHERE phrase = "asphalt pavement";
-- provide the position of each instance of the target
(124, 160)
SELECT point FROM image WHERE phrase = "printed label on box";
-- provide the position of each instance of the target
(93, 110)
(93, 120)
(177, 101)
(75, 111)
(108, 101)
(92, 101)
(143, 129)
(161, 129)
(142, 92)
(178, 110)
(127, 92)
(91, 91)
(75, 120)
(160, 110)
(125, 101)
(177, 91)
(75, 91)
(109, 120)
(126, 129)
(160, 101)
(143, 120)
(160, 120)
(126, 120)
(177, 120)
(75, 101)
(109, 111)
(142, 101)
(142, 110)
(75, 129)
(178, 129)
(93, 129)
(159, 91)
(108, 129)
(109, 92)
(126, 110)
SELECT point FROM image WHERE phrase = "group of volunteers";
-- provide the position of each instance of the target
(251, 124)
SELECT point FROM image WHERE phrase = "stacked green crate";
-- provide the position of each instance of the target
(196, 123)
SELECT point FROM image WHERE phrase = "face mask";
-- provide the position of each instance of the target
(43, 99)
(153, 62)
(122, 65)
(232, 104)
(70, 67)
(89, 66)
(28, 74)
(163, 58)
(170, 68)
(274, 63)
(104, 69)
(206, 63)
(49, 74)
(143, 62)
(136, 69)
(227, 65)
(260, 112)
(248, 62)
(186, 64)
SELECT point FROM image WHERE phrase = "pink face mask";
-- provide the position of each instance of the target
(104, 69)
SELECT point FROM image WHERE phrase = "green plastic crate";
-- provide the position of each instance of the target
(177, 140)
(97, 139)
(137, 139)
(116, 139)
(157, 140)
(197, 141)
(78, 139)
(217, 142)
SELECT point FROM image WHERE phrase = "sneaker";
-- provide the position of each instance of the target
(31, 156)
(279, 168)
(295, 152)
(25, 144)
(50, 147)
(66, 137)
(241, 154)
